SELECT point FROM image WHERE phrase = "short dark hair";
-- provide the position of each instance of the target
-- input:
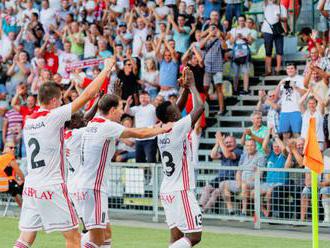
(48, 91)
(143, 92)
(292, 64)
(35, 14)
(162, 111)
(242, 16)
(306, 31)
(77, 121)
(107, 102)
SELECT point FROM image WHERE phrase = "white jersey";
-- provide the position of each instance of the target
(72, 145)
(44, 137)
(176, 152)
(97, 150)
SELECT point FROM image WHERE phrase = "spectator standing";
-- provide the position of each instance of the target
(150, 78)
(125, 148)
(213, 45)
(211, 5)
(129, 79)
(145, 116)
(240, 38)
(168, 69)
(274, 14)
(12, 127)
(268, 104)
(289, 91)
(181, 34)
(4, 107)
(48, 16)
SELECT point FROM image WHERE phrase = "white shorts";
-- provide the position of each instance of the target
(74, 200)
(92, 207)
(48, 208)
(182, 211)
(215, 78)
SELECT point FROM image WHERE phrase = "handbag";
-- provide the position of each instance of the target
(276, 28)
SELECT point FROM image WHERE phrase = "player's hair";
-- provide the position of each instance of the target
(162, 111)
(48, 91)
(107, 102)
(77, 121)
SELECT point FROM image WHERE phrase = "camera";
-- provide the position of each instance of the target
(287, 84)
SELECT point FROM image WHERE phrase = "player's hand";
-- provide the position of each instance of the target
(167, 127)
(189, 78)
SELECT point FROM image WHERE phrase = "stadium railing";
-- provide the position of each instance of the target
(134, 189)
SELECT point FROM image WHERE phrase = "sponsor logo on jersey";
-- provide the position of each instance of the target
(34, 126)
(164, 141)
(42, 195)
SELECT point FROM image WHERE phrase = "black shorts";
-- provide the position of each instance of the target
(14, 189)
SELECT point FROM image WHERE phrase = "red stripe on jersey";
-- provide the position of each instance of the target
(36, 115)
(68, 134)
(97, 119)
(62, 153)
(190, 141)
(187, 210)
(185, 173)
(72, 211)
(98, 181)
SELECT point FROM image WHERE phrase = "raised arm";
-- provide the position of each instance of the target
(198, 106)
(172, 51)
(142, 133)
(93, 110)
(226, 153)
(265, 142)
(94, 87)
(302, 101)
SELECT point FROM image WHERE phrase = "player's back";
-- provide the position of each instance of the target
(97, 150)
(72, 145)
(44, 137)
(175, 149)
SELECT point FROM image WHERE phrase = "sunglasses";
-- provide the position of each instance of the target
(12, 147)
(129, 64)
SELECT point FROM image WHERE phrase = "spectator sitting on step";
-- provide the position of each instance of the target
(8, 170)
(276, 158)
(268, 104)
(244, 183)
(225, 150)
(289, 91)
(257, 132)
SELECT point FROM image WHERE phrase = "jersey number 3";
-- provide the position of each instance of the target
(170, 166)
(36, 150)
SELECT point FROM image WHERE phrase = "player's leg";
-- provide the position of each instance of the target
(107, 237)
(72, 238)
(25, 239)
(176, 234)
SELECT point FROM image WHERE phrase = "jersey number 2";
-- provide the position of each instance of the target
(36, 150)
(170, 166)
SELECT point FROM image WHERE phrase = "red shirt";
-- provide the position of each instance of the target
(312, 43)
(25, 111)
(51, 62)
(103, 88)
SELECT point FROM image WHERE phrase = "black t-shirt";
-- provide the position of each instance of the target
(130, 84)
(199, 76)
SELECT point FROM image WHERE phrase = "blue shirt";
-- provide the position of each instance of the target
(168, 73)
(210, 6)
(276, 161)
(229, 174)
(182, 40)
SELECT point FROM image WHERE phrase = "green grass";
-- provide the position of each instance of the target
(129, 237)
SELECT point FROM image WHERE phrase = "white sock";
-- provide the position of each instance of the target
(181, 243)
(90, 245)
(106, 244)
(84, 238)
(21, 244)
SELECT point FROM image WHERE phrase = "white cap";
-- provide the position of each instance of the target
(117, 9)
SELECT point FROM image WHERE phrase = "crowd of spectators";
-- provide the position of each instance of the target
(65, 42)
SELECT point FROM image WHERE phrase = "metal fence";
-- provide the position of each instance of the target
(134, 189)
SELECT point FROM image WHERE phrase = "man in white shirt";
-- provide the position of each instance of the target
(46, 204)
(289, 91)
(47, 16)
(140, 33)
(64, 58)
(145, 116)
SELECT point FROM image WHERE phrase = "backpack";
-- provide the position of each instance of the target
(241, 53)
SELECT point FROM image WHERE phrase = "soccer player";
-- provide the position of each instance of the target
(46, 204)
(183, 214)
(97, 149)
